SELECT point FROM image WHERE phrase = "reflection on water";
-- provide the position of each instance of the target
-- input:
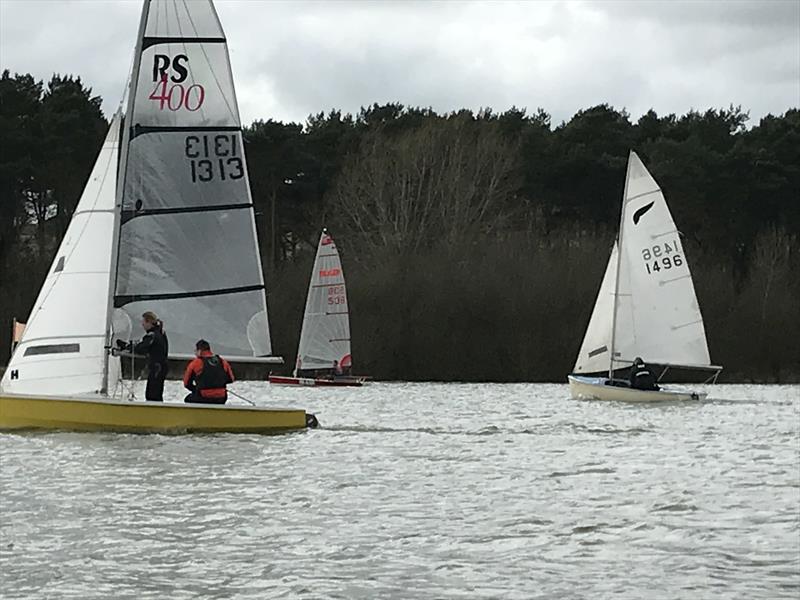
(418, 491)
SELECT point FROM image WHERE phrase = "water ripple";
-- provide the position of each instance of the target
(418, 491)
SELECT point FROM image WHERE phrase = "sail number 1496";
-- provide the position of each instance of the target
(213, 157)
(662, 256)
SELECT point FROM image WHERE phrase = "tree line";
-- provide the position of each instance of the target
(473, 242)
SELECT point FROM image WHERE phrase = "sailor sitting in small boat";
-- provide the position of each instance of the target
(207, 376)
(641, 377)
(338, 371)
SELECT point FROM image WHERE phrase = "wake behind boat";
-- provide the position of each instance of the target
(324, 357)
(646, 306)
(165, 224)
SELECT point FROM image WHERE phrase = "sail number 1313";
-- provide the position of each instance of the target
(213, 157)
(662, 256)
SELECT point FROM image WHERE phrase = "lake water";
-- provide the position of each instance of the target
(419, 491)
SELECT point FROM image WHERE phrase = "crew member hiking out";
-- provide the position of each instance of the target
(641, 377)
(155, 346)
(207, 376)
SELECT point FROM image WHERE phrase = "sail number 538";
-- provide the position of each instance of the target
(213, 157)
(336, 295)
(662, 256)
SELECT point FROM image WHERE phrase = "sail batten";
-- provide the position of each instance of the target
(138, 130)
(155, 41)
(128, 215)
(123, 300)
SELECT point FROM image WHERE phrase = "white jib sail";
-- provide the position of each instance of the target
(594, 354)
(62, 350)
(187, 240)
(325, 335)
(657, 315)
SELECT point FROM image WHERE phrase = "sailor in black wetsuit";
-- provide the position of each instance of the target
(155, 346)
(641, 377)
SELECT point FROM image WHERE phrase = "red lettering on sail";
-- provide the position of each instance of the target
(162, 97)
(330, 272)
(175, 97)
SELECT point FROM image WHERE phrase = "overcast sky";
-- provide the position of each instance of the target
(291, 59)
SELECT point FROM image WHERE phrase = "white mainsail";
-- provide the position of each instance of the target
(187, 246)
(325, 335)
(647, 304)
(62, 350)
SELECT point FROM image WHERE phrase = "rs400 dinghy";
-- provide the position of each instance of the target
(165, 224)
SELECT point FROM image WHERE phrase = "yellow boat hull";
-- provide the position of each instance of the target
(101, 414)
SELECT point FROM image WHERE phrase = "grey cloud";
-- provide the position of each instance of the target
(293, 59)
(767, 14)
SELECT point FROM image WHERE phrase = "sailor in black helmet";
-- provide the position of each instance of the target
(641, 377)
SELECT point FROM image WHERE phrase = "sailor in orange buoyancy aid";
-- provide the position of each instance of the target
(207, 376)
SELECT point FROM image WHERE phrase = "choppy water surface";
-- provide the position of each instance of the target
(419, 491)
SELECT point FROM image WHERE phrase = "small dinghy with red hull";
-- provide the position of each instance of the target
(323, 354)
(344, 381)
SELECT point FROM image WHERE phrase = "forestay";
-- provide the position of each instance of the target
(647, 304)
(62, 350)
(325, 335)
(187, 241)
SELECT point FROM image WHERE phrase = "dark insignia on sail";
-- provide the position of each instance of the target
(162, 63)
(638, 214)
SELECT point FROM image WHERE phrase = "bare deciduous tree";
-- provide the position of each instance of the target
(439, 182)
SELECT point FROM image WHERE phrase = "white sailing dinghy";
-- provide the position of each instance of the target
(164, 224)
(325, 334)
(646, 306)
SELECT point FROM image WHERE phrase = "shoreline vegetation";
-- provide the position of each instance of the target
(473, 243)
